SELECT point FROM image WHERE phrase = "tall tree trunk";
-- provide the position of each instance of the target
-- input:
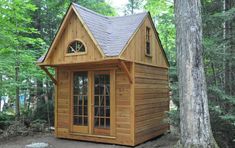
(229, 51)
(194, 113)
(17, 91)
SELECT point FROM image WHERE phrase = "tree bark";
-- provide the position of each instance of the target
(194, 113)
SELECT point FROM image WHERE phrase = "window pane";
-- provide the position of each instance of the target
(75, 110)
(85, 100)
(75, 100)
(107, 89)
(97, 100)
(102, 111)
(107, 101)
(85, 121)
(79, 110)
(96, 122)
(97, 111)
(75, 120)
(85, 110)
(102, 122)
(80, 120)
(97, 89)
(80, 100)
(76, 47)
(107, 112)
(101, 100)
(107, 122)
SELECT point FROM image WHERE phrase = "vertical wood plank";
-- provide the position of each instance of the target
(113, 104)
(132, 102)
(90, 100)
(56, 101)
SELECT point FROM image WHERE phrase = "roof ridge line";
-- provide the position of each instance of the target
(77, 5)
(107, 17)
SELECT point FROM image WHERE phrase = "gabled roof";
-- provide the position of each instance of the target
(111, 33)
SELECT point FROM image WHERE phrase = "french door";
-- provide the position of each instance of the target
(91, 102)
(101, 98)
(80, 102)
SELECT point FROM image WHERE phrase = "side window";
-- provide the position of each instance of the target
(76, 47)
(148, 47)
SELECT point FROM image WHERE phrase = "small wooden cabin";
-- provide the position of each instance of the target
(111, 78)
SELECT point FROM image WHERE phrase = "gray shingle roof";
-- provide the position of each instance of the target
(111, 33)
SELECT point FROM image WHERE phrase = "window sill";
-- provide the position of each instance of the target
(148, 55)
(75, 54)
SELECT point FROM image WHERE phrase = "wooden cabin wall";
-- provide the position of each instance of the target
(73, 30)
(124, 115)
(151, 101)
(62, 111)
(135, 51)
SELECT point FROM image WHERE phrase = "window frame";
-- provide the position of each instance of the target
(148, 41)
(76, 53)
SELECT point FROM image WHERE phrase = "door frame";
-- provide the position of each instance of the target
(91, 74)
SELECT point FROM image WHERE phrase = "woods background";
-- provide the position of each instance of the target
(27, 28)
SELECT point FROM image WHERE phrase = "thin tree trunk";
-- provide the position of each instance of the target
(213, 70)
(17, 92)
(132, 6)
(229, 51)
(194, 113)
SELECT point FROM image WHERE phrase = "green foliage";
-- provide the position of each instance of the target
(5, 119)
(132, 6)
(174, 117)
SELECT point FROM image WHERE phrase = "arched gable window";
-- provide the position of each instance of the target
(76, 47)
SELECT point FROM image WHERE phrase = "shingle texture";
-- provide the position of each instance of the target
(111, 33)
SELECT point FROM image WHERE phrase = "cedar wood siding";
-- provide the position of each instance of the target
(151, 88)
(151, 102)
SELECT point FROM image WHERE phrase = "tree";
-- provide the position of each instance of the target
(194, 113)
(133, 5)
(15, 21)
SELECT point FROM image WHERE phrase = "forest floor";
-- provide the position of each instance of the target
(167, 140)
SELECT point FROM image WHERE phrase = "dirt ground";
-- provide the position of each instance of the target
(164, 141)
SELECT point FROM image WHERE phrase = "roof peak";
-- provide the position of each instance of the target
(108, 17)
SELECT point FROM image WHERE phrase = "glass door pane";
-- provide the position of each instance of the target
(80, 100)
(102, 101)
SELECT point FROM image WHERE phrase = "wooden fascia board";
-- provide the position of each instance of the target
(88, 31)
(123, 66)
(132, 36)
(158, 39)
(49, 74)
